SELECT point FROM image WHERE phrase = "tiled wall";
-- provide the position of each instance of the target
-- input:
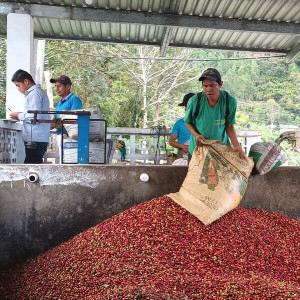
(8, 146)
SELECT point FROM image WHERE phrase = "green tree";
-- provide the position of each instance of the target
(2, 77)
(272, 112)
(81, 62)
(155, 79)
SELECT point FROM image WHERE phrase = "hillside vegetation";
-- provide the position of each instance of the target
(135, 87)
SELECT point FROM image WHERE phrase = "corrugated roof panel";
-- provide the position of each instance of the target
(242, 39)
(96, 30)
(42, 26)
(289, 42)
(186, 36)
(145, 33)
(260, 41)
(66, 27)
(73, 29)
(233, 39)
(228, 9)
(192, 37)
(283, 9)
(131, 34)
(85, 29)
(249, 42)
(272, 10)
(278, 41)
(206, 37)
(57, 27)
(81, 28)
(189, 35)
(239, 9)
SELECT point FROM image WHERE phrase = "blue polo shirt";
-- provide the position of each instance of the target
(71, 102)
(179, 129)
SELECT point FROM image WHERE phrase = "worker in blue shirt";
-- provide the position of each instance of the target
(68, 100)
(180, 136)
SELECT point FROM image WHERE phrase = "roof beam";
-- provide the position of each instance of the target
(167, 36)
(145, 18)
(293, 54)
(126, 42)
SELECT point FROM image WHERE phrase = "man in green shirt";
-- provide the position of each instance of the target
(216, 114)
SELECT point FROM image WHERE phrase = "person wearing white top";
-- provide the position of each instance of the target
(38, 133)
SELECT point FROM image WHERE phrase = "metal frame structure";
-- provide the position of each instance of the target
(270, 26)
(105, 159)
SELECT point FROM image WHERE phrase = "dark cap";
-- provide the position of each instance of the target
(210, 74)
(61, 79)
(186, 99)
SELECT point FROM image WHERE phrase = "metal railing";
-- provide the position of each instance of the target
(150, 146)
(143, 145)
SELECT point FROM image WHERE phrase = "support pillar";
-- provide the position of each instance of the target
(19, 55)
(38, 58)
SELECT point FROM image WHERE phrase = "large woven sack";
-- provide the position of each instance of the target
(292, 137)
(180, 162)
(267, 156)
(96, 151)
(96, 128)
(215, 183)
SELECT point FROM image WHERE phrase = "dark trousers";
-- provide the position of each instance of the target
(35, 156)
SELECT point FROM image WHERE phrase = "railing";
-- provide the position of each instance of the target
(143, 146)
(148, 146)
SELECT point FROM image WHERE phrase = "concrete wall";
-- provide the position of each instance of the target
(43, 205)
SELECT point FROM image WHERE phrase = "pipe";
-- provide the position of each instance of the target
(144, 177)
(33, 177)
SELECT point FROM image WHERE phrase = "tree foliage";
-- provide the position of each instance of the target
(2, 76)
(155, 80)
(135, 87)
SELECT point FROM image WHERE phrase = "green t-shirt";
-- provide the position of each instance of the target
(211, 120)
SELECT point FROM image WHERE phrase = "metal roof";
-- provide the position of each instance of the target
(243, 25)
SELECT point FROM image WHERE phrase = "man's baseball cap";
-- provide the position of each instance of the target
(61, 79)
(186, 99)
(210, 74)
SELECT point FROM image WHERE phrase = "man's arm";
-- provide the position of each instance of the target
(230, 130)
(173, 142)
(14, 115)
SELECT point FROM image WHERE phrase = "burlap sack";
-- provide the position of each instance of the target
(267, 156)
(215, 183)
(96, 128)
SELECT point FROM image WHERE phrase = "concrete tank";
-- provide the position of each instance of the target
(42, 206)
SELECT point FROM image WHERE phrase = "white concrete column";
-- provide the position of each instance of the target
(38, 58)
(49, 87)
(19, 55)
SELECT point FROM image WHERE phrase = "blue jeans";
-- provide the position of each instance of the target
(35, 156)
